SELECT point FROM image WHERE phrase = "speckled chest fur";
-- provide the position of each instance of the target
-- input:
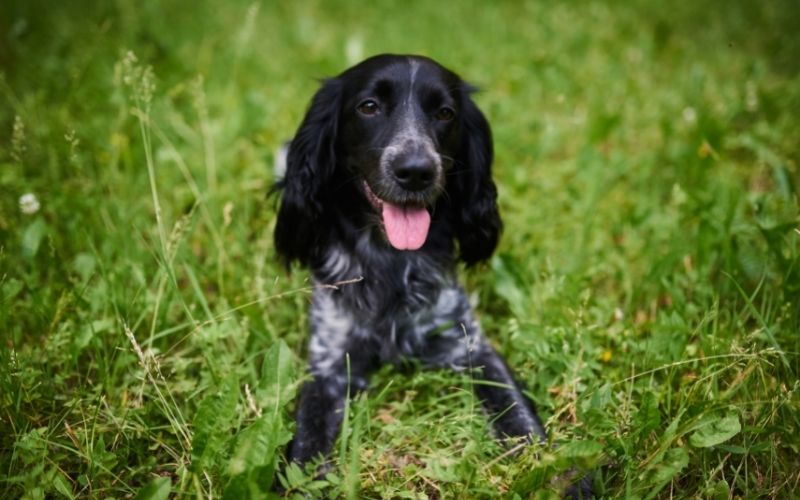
(397, 305)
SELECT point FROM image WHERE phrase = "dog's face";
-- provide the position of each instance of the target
(399, 135)
(395, 140)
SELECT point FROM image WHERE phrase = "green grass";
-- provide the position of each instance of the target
(646, 289)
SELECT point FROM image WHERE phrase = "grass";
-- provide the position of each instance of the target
(647, 287)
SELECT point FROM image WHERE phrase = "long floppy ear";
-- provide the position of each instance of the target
(310, 164)
(477, 219)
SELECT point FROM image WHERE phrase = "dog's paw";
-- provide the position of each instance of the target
(580, 490)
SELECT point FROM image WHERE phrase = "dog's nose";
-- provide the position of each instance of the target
(414, 172)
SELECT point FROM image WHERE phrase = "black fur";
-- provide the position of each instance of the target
(320, 200)
(311, 164)
(393, 131)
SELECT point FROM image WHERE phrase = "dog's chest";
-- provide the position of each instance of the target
(379, 284)
(397, 308)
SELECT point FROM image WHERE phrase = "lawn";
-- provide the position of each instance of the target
(646, 289)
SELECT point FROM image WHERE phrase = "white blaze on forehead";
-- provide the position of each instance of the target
(411, 125)
(413, 67)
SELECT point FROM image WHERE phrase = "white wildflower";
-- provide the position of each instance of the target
(29, 204)
(354, 49)
(689, 114)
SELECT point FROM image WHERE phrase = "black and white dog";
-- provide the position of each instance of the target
(388, 183)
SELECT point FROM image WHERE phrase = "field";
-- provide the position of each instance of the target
(646, 288)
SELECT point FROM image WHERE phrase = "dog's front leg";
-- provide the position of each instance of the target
(321, 402)
(514, 414)
(319, 415)
(339, 359)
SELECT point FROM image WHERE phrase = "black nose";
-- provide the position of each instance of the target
(414, 172)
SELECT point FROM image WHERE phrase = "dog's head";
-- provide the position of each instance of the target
(394, 139)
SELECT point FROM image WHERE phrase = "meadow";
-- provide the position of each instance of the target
(646, 289)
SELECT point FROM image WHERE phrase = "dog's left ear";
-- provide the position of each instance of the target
(310, 165)
(477, 219)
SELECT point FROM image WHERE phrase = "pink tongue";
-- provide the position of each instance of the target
(406, 227)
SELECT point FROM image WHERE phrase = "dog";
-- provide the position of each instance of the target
(387, 187)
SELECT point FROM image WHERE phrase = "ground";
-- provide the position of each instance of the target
(646, 289)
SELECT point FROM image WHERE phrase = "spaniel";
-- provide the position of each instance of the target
(387, 187)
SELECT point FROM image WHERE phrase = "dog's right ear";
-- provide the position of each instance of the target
(310, 165)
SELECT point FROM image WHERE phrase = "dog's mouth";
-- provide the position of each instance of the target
(406, 225)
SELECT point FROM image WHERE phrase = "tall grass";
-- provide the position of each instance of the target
(646, 289)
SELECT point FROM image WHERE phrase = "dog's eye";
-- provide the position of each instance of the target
(445, 114)
(368, 107)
